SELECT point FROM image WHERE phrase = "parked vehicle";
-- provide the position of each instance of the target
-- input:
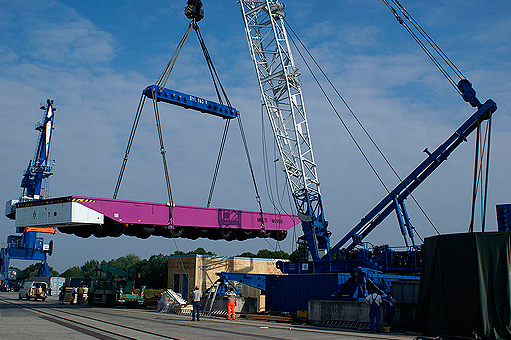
(115, 288)
(34, 290)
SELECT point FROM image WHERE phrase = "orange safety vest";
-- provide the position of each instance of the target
(232, 296)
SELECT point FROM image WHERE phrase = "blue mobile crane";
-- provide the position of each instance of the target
(281, 96)
(28, 246)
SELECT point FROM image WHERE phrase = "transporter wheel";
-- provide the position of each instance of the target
(100, 230)
(66, 230)
(116, 231)
(144, 231)
(84, 232)
(191, 233)
(227, 234)
(177, 232)
(265, 233)
(214, 234)
(242, 235)
(279, 235)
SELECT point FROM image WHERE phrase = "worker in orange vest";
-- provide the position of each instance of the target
(231, 302)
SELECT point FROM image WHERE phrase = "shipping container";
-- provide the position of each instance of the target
(291, 293)
(406, 291)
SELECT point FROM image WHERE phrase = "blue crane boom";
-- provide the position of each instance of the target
(394, 201)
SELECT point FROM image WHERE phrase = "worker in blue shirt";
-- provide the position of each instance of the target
(374, 301)
(390, 311)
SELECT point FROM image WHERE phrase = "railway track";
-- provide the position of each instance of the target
(120, 323)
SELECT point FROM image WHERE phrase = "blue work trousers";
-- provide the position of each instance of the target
(196, 307)
(374, 313)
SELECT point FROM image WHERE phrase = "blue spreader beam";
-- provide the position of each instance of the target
(190, 102)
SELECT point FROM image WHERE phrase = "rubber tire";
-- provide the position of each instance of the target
(90, 299)
(132, 304)
(279, 235)
(227, 234)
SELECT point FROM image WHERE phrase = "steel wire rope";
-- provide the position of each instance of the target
(245, 145)
(356, 119)
(266, 169)
(485, 149)
(211, 67)
(431, 42)
(452, 66)
(215, 78)
(475, 178)
(130, 143)
(242, 132)
(218, 161)
(162, 80)
(423, 46)
(340, 118)
(163, 153)
(486, 176)
(267, 175)
(479, 173)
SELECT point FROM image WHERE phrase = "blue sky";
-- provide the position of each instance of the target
(94, 58)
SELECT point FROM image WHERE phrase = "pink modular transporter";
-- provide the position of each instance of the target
(101, 217)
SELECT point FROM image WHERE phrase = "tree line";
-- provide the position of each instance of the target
(153, 271)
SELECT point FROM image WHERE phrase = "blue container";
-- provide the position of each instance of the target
(291, 293)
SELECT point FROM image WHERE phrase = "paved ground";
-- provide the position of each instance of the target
(48, 320)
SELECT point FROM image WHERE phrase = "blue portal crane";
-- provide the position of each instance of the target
(28, 246)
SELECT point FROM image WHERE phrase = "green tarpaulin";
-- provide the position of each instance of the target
(465, 287)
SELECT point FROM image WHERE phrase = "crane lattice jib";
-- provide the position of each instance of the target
(281, 95)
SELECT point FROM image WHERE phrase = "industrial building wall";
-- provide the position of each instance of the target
(465, 286)
(187, 271)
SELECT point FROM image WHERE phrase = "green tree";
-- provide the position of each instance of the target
(153, 272)
(247, 254)
(198, 251)
(125, 262)
(89, 268)
(72, 272)
(267, 254)
(294, 256)
(201, 251)
(31, 271)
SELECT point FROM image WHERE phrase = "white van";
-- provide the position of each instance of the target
(33, 289)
